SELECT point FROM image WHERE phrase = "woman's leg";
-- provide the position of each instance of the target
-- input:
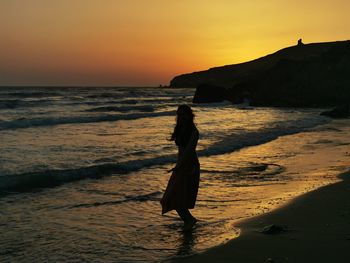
(189, 220)
(184, 214)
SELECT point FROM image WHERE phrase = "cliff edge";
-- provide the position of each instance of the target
(303, 75)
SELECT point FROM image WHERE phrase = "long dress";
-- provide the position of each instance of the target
(182, 188)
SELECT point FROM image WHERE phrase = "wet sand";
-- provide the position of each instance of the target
(315, 228)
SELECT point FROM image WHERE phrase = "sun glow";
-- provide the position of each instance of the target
(148, 42)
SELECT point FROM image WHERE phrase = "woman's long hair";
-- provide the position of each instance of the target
(184, 125)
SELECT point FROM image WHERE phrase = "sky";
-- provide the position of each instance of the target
(148, 42)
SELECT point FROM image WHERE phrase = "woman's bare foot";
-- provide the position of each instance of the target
(189, 224)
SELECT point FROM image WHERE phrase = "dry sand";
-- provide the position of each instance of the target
(317, 230)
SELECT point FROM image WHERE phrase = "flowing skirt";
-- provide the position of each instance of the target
(182, 189)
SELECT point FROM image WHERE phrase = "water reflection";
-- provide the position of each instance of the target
(187, 242)
(119, 217)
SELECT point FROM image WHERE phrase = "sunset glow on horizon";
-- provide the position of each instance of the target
(147, 43)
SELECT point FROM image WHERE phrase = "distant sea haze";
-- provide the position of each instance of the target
(88, 166)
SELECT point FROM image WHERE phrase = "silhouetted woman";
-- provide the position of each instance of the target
(182, 189)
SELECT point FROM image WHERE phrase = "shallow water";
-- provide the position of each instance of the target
(252, 160)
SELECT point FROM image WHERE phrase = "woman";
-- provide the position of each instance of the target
(182, 189)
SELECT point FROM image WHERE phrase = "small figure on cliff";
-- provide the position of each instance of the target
(300, 42)
(182, 189)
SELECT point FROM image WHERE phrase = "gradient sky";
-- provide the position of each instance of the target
(147, 42)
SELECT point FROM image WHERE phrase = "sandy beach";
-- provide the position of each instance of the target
(316, 228)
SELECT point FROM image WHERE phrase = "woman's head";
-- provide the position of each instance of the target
(184, 115)
(184, 125)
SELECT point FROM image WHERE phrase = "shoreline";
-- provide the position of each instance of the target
(317, 229)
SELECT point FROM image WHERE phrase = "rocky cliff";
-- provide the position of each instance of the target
(315, 74)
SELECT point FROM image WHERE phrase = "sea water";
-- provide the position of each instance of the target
(82, 170)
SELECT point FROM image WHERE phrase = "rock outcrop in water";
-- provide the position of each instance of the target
(304, 75)
(209, 93)
(339, 112)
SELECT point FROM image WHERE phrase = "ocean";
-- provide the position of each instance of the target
(82, 170)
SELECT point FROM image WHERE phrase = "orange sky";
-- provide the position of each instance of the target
(147, 42)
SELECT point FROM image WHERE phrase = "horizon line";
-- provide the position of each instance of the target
(84, 86)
